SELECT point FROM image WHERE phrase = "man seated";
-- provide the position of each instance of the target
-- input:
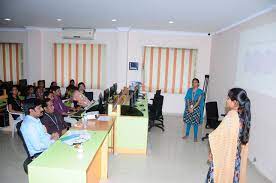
(58, 104)
(34, 133)
(53, 121)
(49, 94)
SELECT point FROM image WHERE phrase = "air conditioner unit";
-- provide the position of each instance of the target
(78, 33)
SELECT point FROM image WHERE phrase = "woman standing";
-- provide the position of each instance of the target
(229, 142)
(194, 104)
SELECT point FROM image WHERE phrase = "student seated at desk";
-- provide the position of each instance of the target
(69, 89)
(58, 104)
(30, 92)
(71, 83)
(34, 133)
(15, 104)
(79, 95)
(49, 94)
(40, 90)
(81, 88)
(53, 83)
(53, 121)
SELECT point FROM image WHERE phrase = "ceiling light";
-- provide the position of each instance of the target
(171, 22)
(59, 19)
(114, 20)
(7, 19)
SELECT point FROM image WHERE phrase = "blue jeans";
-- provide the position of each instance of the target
(188, 127)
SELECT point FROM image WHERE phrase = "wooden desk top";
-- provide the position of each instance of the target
(95, 125)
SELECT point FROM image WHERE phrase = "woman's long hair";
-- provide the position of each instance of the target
(241, 97)
(81, 83)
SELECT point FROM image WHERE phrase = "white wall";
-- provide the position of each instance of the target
(34, 59)
(173, 103)
(224, 61)
(123, 46)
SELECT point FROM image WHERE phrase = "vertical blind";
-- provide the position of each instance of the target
(168, 69)
(81, 62)
(11, 61)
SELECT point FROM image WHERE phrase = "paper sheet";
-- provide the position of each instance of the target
(78, 136)
(104, 118)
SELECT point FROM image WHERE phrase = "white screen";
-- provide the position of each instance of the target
(256, 68)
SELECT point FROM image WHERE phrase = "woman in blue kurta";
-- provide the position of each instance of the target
(194, 105)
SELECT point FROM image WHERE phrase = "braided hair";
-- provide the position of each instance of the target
(240, 95)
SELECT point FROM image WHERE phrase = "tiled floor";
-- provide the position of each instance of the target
(169, 159)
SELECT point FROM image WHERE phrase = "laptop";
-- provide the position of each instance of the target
(90, 105)
(79, 113)
(89, 95)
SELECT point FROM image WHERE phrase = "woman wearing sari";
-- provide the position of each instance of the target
(79, 95)
(229, 142)
(194, 105)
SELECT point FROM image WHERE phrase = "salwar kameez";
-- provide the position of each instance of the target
(229, 155)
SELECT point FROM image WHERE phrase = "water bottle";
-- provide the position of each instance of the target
(84, 120)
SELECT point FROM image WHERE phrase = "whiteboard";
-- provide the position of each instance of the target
(256, 68)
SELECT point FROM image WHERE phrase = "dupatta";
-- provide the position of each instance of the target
(223, 143)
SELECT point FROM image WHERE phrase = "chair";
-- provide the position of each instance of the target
(155, 113)
(212, 117)
(89, 95)
(157, 93)
(13, 122)
(28, 160)
(3, 114)
(22, 86)
(101, 107)
(7, 85)
(23, 82)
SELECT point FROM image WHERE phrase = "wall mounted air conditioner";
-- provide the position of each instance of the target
(78, 33)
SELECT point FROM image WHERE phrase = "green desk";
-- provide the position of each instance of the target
(131, 132)
(62, 163)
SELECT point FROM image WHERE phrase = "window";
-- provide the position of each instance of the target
(81, 62)
(11, 61)
(168, 69)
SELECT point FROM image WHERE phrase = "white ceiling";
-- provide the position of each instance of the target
(188, 15)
